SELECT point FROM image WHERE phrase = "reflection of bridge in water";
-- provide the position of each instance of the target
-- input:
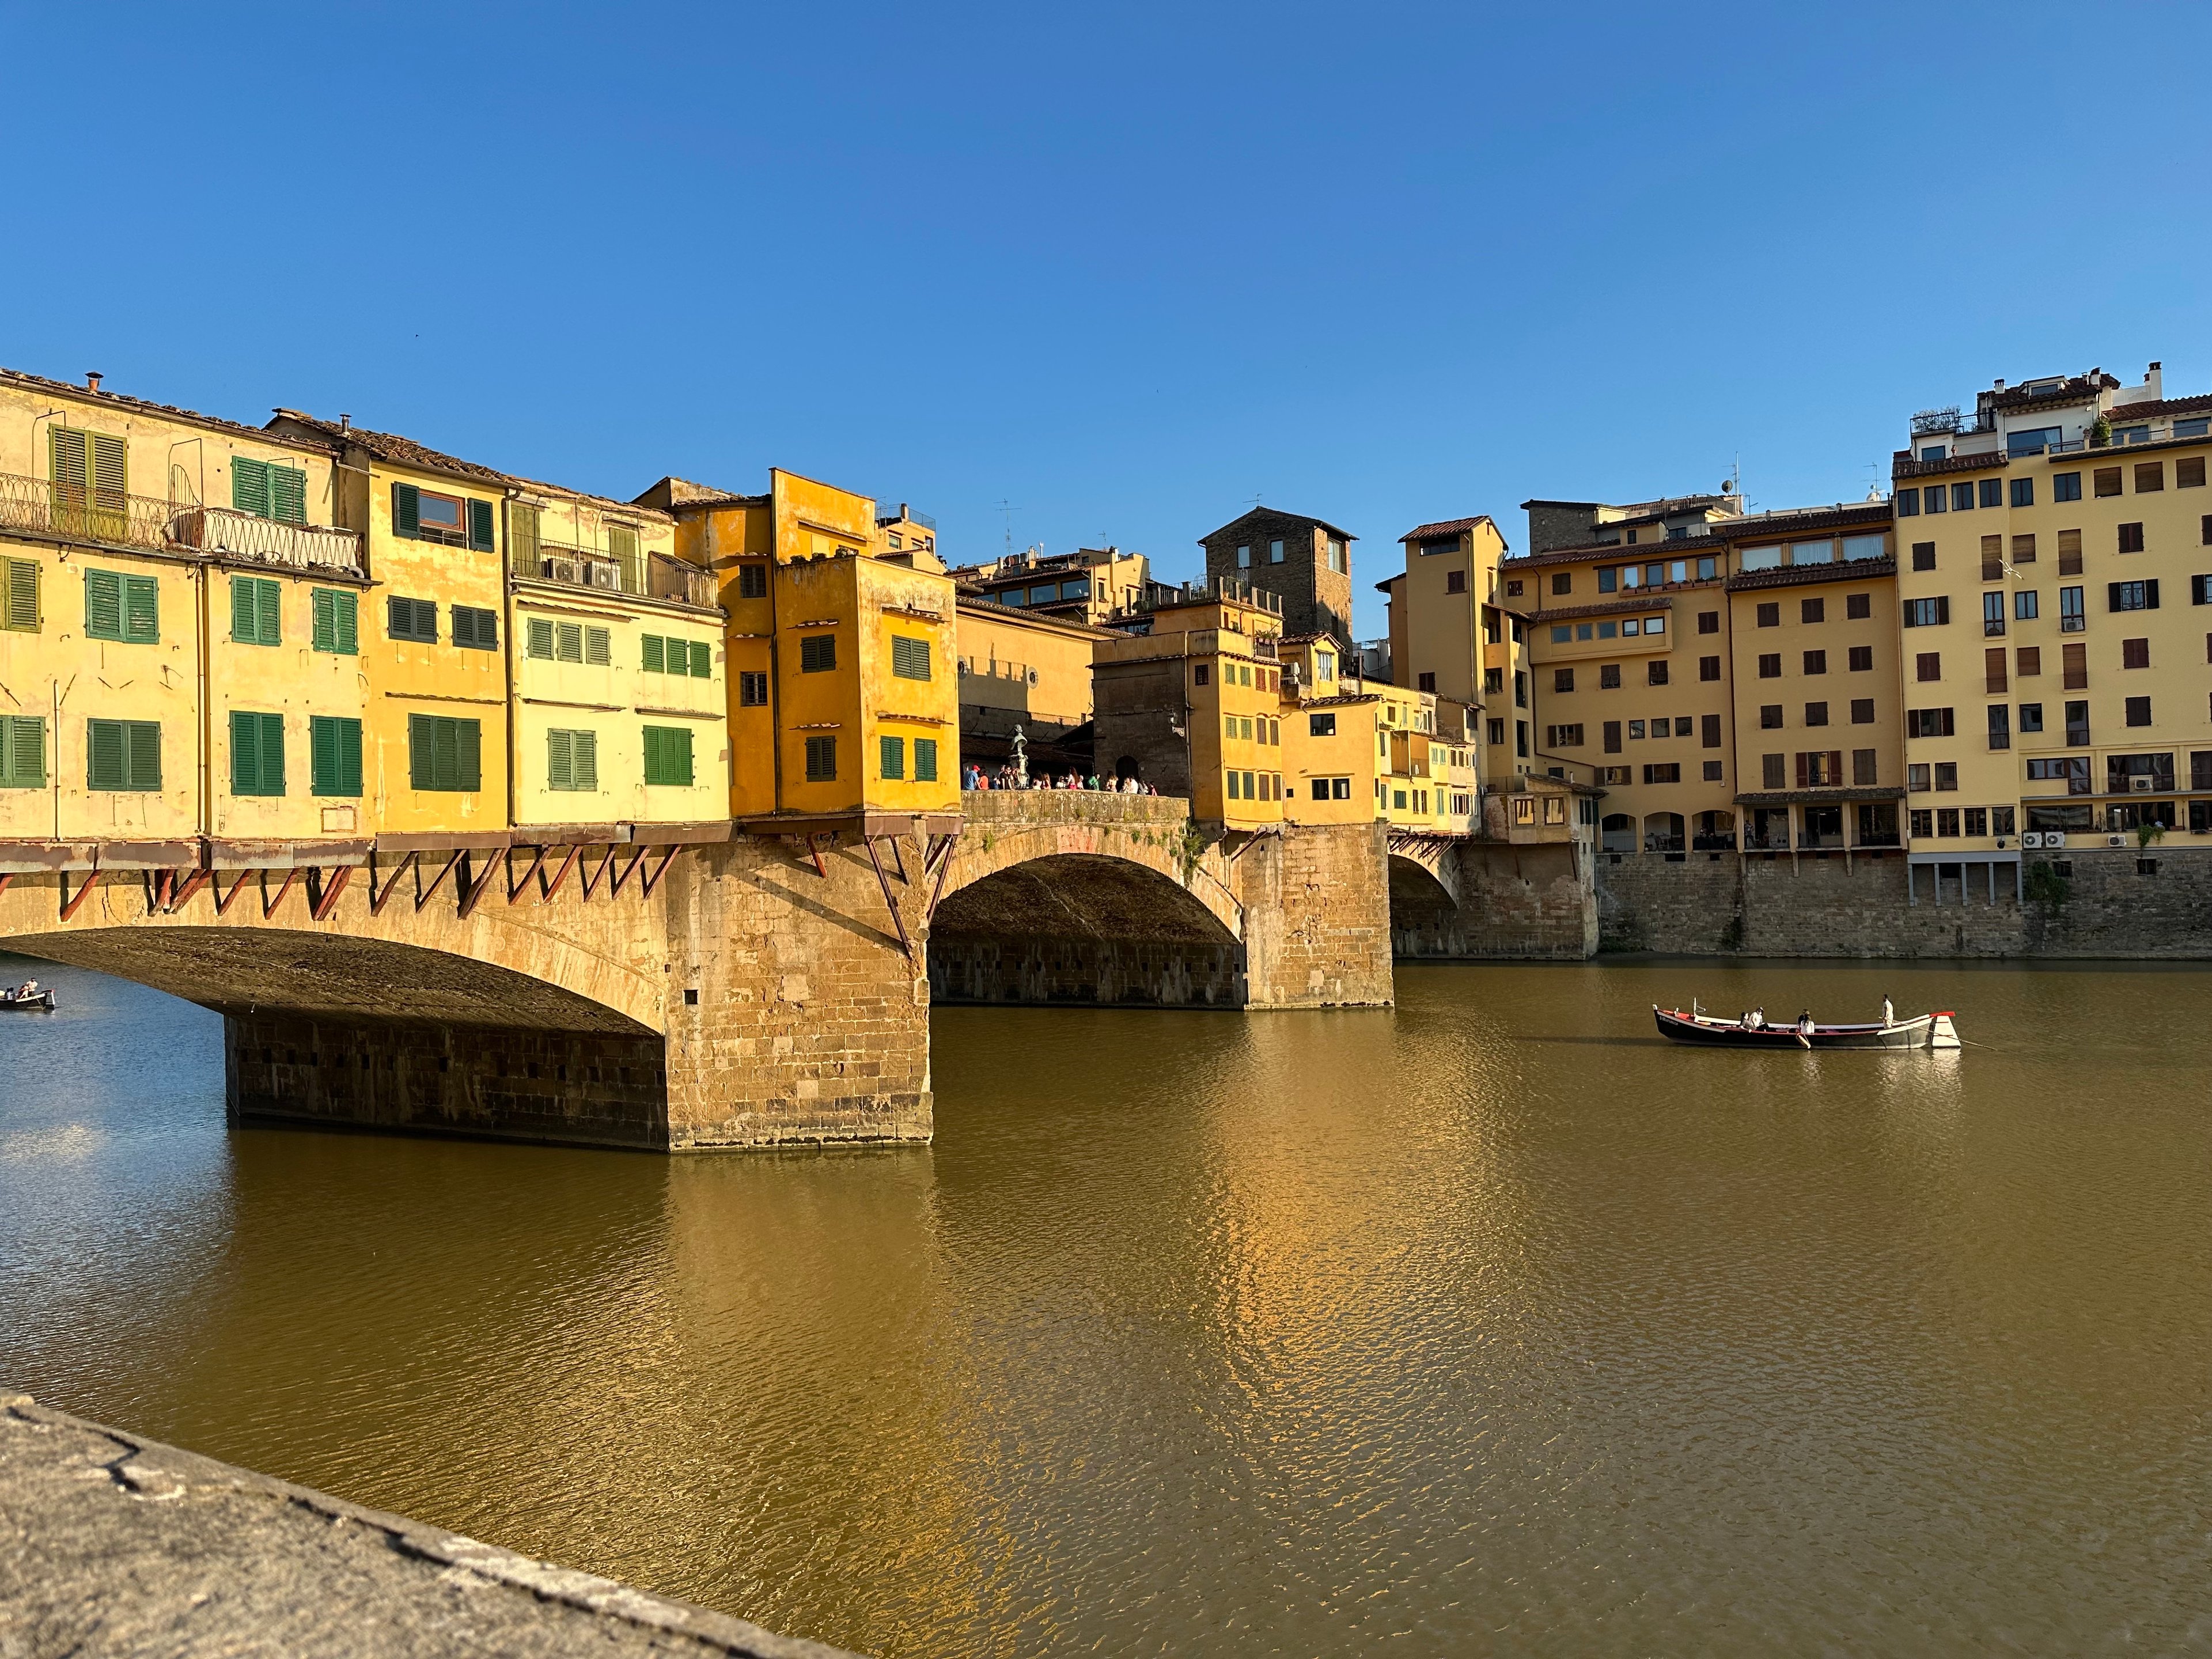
(711, 984)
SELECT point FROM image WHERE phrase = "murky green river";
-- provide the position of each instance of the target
(1485, 1325)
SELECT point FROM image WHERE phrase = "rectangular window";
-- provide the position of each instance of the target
(1774, 773)
(1927, 666)
(1962, 498)
(1811, 610)
(752, 689)
(1993, 613)
(891, 757)
(475, 628)
(334, 617)
(1923, 555)
(120, 607)
(668, 757)
(925, 760)
(2075, 665)
(2023, 492)
(2132, 596)
(1993, 670)
(2149, 476)
(1930, 723)
(1862, 711)
(257, 753)
(1321, 725)
(1709, 668)
(89, 483)
(1770, 665)
(1931, 499)
(1455, 581)
(1611, 735)
(1916, 779)
(1709, 730)
(1816, 714)
(2000, 726)
(2106, 481)
(2023, 550)
(269, 490)
(909, 657)
(1608, 677)
(1563, 679)
(2077, 724)
(22, 752)
(2131, 539)
(1563, 737)
(256, 610)
(1275, 552)
(1922, 825)
(1816, 662)
(334, 755)
(2138, 711)
(1908, 503)
(1947, 777)
(2072, 616)
(2029, 661)
(752, 581)
(2070, 552)
(1862, 658)
(2065, 486)
(1709, 622)
(1663, 772)
(414, 620)
(2134, 653)
(818, 653)
(19, 595)
(1428, 683)
(445, 753)
(822, 760)
(1992, 491)
(1654, 672)
(123, 755)
(572, 760)
(2189, 473)
(1865, 767)
(1993, 558)
(1770, 614)
(1928, 613)
(1946, 822)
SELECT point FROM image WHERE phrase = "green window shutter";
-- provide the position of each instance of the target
(142, 610)
(349, 756)
(598, 647)
(244, 753)
(680, 742)
(22, 752)
(522, 557)
(656, 655)
(106, 767)
(653, 754)
(891, 755)
(560, 760)
(422, 742)
(464, 626)
(110, 482)
(143, 740)
(540, 635)
(406, 510)
(323, 609)
(668, 756)
(703, 660)
(288, 494)
(925, 760)
(480, 536)
(249, 486)
(22, 596)
(587, 759)
(346, 610)
(818, 653)
(269, 604)
(241, 609)
(468, 740)
(822, 760)
(103, 604)
(335, 743)
(909, 658)
(272, 753)
(568, 643)
(67, 456)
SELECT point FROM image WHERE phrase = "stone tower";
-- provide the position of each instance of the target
(1307, 563)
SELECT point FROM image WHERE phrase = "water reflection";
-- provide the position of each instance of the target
(1486, 1323)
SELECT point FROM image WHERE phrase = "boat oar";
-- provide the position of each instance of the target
(1804, 1042)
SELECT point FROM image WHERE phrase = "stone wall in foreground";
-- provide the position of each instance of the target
(2153, 906)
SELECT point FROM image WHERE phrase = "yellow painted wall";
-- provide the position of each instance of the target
(1031, 667)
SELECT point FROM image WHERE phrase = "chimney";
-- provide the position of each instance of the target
(346, 422)
(92, 379)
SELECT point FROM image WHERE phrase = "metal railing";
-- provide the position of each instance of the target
(649, 575)
(41, 507)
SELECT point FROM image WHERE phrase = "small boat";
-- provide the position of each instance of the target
(1922, 1032)
(15, 999)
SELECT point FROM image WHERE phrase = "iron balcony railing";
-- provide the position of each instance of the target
(649, 575)
(39, 506)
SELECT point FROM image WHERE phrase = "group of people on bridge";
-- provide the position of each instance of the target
(972, 776)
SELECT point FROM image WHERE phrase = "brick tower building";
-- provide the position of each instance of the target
(1305, 562)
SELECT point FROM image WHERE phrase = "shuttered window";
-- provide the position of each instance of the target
(667, 756)
(656, 653)
(269, 490)
(444, 753)
(425, 515)
(572, 760)
(480, 526)
(909, 658)
(19, 603)
(337, 621)
(891, 756)
(414, 620)
(22, 752)
(818, 653)
(538, 637)
(667, 655)
(123, 755)
(257, 753)
(925, 760)
(120, 607)
(90, 483)
(752, 581)
(406, 510)
(256, 606)
(821, 759)
(476, 629)
(334, 753)
(622, 548)
(598, 647)
(522, 554)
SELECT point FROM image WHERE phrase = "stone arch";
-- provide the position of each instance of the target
(1423, 907)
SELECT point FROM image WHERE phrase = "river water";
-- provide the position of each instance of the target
(1485, 1324)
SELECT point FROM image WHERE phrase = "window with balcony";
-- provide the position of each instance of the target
(268, 489)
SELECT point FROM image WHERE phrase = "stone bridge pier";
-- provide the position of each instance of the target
(1462, 898)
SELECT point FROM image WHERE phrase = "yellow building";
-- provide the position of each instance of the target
(909, 538)
(149, 552)
(1028, 670)
(2053, 654)
(1457, 630)
(1093, 585)
(842, 683)
(1330, 755)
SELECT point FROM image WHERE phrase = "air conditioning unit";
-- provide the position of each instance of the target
(2140, 784)
(2031, 840)
(2116, 840)
(2052, 839)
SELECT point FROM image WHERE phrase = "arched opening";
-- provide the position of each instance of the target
(1425, 919)
(1662, 832)
(1082, 927)
(1713, 832)
(1127, 767)
(1616, 833)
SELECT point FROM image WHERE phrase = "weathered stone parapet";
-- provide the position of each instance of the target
(111, 1543)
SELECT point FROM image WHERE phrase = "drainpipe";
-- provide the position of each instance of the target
(204, 726)
(506, 557)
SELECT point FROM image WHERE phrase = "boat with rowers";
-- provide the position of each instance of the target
(29, 997)
(1752, 1030)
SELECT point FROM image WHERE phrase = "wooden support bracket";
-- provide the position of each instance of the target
(615, 882)
(223, 900)
(379, 897)
(269, 905)
(331, 889)
(550, 888)
(944, 856)
(424, 895)
(473, 896)
(883, 881)
(190, 890)
(70, 906)
(653, 880)
(514, 887)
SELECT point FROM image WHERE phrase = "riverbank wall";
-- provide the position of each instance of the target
(2119, 904)
(113, 1543)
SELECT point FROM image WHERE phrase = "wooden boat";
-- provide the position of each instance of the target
(13, 1002)
(1922, 1032)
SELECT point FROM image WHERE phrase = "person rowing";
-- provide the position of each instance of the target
(1755, 1020)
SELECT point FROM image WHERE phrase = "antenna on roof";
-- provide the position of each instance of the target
(1007, 507)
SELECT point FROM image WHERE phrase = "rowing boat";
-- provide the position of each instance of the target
(1922, 1032)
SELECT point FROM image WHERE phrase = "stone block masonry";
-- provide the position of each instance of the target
(1316, 904)
(1491, 902)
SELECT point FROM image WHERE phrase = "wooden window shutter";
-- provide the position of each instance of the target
(1992, 558)
(422, 742)
(598, 647)
(244, 753)
(2150, 594)
(703, 660)
(1993, 669)
(242, 621)
(1771, 771)
(22, 752)
(68, 458)
(1835, 766)
(323, 617)
(288, 494)
(249, 485)
(480, 526)
(925, 761)
(2070, 552)
(560, 760)
(142, 610)
(106, 767)
(103, 604)
(268, 612)
(522, 555)
(538, 635)
(655, 654)
(345, 608)
(2075, 659)
(22, 596)
(587, 759)
(1801, 759)
(567, 641)
(622, 547)
(322, 754)
(406, 510)
(110, 483)
(144, 741)
(652, 753)
(1613, 736)
(468, 751)
(892, 758)
(679, 746)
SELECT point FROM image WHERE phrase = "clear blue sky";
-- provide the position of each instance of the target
(1126, 269)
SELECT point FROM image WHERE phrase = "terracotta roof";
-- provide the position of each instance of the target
(1341, 700)
(2074, 389)
(2128, 414)
(1797, 521)
(1309, 639)
(1804, 575)
(1422, 532)
(1605, 608)
(400, 451)
(1019, 613)
(1276, 513)
(116, 400)
(1625, 552)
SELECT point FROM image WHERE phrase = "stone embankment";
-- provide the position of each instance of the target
(112, 1544)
